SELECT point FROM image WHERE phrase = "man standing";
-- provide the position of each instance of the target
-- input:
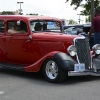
(95, 27)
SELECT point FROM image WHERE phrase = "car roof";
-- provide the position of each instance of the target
(77, 25)
(28, 17)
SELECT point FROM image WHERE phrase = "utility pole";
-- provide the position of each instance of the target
(82, 21)
(20, 10)
(79, 18)
(92, 9)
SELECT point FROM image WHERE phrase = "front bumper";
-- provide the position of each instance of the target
(91, 72)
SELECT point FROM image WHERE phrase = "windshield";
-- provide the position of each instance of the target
(45, 26)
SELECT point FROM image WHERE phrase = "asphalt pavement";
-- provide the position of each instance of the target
(16, 85)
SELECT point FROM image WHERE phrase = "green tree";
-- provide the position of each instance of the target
(7, 13)
(86, 6)
(88, 19)
(71, 22)
(32, 14)
(77, 3)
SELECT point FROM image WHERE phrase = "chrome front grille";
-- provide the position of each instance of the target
(83, 52)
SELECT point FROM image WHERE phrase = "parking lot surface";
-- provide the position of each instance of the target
(16, 85)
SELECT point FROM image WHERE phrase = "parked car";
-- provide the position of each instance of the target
(71, 31)
(64, 22)
(49, 50)
(81, 29)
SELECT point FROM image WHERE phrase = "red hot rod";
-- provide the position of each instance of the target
(48, 50)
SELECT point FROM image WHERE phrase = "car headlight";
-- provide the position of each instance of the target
(72, 50)
(96, 48)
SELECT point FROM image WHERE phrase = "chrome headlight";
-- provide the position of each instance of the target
(96, 48)
(72, 50)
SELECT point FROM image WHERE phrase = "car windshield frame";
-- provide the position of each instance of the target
(55, 29)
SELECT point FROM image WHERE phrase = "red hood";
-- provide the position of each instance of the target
(54, 36)
(49, 42)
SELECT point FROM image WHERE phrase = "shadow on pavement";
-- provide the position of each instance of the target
(39, 77)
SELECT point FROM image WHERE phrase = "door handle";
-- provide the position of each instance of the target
(28, 41)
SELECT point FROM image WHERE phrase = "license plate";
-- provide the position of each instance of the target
(79, 67)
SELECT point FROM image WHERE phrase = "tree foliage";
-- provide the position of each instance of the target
(86, 6)
(71, 22)
(88, 19)
(77, 3)
(32, 14)
(7, 13)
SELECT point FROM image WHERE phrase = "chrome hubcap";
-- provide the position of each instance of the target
(51, 69)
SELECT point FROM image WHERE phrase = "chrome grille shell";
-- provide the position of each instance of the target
(83, 51)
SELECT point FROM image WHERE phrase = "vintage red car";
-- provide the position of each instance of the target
(48, 50)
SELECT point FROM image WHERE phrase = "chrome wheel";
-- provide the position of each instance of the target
(51, 69)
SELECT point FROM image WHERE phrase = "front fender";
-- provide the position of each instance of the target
(96, 62)
(65, 61)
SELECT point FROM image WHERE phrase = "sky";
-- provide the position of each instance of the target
(52, 8)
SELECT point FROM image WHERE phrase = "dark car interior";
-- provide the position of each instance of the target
(2, 30)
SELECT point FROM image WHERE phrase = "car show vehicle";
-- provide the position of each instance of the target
(39, 44)
(71, 31)
(80, 29)
(64, 22)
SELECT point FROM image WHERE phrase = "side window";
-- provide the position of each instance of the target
(14, 27)
(2, 27)
(11, 25)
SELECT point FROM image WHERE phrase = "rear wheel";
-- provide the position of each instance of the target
(53, 72)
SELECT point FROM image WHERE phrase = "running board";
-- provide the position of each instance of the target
(12, 66)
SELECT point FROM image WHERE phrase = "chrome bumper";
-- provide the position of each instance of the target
(87, 72)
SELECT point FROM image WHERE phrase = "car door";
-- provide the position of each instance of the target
(2, 40)
(19, 48)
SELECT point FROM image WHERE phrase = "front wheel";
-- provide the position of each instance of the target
(53, 72)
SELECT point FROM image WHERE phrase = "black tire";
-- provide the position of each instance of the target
(53, 72)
